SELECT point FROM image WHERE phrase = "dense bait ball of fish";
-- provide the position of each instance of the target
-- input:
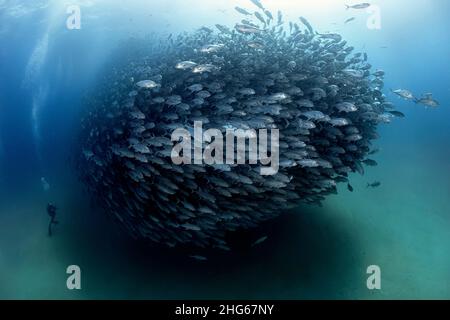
(320, 95)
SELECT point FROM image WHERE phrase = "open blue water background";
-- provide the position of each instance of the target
(403, 226)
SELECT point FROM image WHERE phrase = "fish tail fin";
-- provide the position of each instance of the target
(347, 7)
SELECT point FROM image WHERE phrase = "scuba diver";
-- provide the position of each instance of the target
(51, 210)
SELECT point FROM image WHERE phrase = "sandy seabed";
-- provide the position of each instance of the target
(312, 252)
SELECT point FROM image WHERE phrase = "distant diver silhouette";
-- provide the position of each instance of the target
(51, 210)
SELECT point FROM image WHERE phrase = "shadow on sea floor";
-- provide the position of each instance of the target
(310, 252)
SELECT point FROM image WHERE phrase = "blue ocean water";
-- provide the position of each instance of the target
(403, 226)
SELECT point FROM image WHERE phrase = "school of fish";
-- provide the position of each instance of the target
(325, 99)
